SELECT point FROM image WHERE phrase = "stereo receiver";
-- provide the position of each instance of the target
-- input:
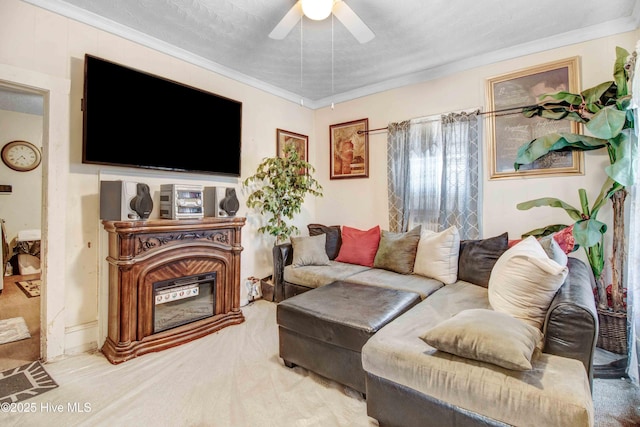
(181, 201)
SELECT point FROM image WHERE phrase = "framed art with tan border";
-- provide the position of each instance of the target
(508, 129)
(349, 149)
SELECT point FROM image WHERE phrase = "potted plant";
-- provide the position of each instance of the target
(604, 111)
(277, 191)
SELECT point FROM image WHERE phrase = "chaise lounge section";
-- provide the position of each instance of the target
(410, 383)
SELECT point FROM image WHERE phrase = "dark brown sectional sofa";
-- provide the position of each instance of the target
(412, 383)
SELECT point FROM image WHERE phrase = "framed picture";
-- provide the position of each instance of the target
(301, 142)
(284, 137)
(349, 149)
(508, 129)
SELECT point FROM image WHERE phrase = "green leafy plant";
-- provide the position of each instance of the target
(604, 112)
(278, 189)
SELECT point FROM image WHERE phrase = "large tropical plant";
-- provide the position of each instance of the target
(604, 111)
(278, 189)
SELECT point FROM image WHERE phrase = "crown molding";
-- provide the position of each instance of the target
(83, 16)
(593, 32)
(618, 26)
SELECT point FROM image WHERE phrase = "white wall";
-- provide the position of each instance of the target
(363, 202)
(35, 41)
(21, 209)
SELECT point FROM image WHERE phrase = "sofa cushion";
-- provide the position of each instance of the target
(437, 255)
(309, 250)
(524, 281)
(424, 286)
(313, 276)
(477, 258)
(487, 336)
(359, 246)
(334, 237)
(397, 251)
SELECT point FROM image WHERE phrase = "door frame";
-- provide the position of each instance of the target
(55, 170)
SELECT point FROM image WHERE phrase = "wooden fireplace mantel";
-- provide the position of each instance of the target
(144, 252)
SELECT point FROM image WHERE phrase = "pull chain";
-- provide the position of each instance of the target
(332, 85)
(301, 61)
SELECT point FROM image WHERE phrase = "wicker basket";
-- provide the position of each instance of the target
(612, 334)
(268, 291)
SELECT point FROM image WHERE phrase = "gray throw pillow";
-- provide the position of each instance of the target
(334, 237)
(397, 251)
(477, 258)
(553, 250)
(309, 250)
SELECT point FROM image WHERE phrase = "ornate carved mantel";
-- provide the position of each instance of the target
(142, 253)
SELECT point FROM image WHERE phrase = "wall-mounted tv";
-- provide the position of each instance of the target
(136, 119)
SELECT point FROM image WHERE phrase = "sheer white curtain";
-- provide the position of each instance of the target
(433, 170)
(632, 275)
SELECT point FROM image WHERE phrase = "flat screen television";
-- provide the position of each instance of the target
(136, 119)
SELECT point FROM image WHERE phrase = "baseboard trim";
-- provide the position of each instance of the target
(81, 338)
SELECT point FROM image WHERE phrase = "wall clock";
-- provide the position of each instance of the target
(21, 156)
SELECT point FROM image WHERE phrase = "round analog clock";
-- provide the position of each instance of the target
(21, 156)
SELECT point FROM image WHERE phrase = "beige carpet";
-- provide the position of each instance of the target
(231, 378)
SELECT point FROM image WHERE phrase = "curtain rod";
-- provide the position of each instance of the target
(478, 113)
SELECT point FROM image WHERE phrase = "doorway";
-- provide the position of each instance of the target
(21, 210)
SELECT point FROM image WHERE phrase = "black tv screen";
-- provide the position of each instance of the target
(135, 119)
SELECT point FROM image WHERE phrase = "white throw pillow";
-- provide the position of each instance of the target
(524, 281)
(437, 255)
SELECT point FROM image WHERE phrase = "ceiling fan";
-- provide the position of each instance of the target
(319, 10)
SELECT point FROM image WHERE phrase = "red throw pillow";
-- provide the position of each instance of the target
(565, 239)
(359, 246)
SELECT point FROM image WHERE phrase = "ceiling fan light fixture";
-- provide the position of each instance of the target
(317, 9)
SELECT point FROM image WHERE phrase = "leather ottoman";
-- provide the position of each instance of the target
(323, 330)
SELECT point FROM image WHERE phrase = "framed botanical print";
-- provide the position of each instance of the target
(349, 149)
(509, 129)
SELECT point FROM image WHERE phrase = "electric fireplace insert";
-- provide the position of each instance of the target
(183, 300)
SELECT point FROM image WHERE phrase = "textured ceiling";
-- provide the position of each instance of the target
(321, 62)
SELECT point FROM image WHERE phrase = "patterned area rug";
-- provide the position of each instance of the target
(24, 382)
(14, 329)
(31, 288)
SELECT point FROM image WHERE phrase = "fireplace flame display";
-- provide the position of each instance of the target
(183, 300)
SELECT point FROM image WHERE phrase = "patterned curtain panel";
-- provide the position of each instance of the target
(398, 178)
(433, 170)
(460, 192)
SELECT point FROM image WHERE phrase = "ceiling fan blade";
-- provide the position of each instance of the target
(354, 24)
(287, 23)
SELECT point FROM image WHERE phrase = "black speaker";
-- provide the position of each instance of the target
(220, 202)
(142, 204)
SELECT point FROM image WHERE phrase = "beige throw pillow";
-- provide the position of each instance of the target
(524, 281)
(487, 336)
(437, 255)
(309, 250)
